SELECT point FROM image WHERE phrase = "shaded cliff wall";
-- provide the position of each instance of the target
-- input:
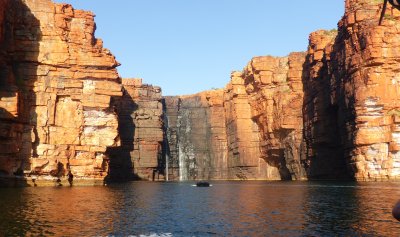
(140, 113)
(196, 136)
(275, 91)
(59, 83)
(11, 128)
(359, 72)
(325, 154)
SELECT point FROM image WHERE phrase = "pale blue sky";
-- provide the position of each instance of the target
(187, 46)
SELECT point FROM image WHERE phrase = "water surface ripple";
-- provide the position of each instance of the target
(249, 208)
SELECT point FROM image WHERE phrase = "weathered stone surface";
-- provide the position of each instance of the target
(275, 92)
(356, 114)
(196, 136)
(140, 113)
(210, 135)
(366, 75)
(330, 113)
(244, 157)
(325, 157)
(57, 82)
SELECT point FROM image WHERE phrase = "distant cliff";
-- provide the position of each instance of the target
(332, 112)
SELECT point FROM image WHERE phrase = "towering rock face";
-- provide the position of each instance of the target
(244, 157)
(366, 77)
(325, 154)
(274, 88)
(57, 84)
(140, 113)
(359, 72)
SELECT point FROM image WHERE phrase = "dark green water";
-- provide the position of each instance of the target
(226, 209)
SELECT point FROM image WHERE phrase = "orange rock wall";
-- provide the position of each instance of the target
(325, 154)
(211, 135)
(10, 128)
(330, 113)
(274, 89)
(356, 110)
(244, 157)
(57, 85)
(367, 78)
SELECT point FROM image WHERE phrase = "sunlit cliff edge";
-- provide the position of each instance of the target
(332, 112)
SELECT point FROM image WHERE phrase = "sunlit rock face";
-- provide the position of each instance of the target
(140, 113)
(357, 112)
(57, 84)
(243, 135)
(367, 81)
(274, 88)
(330, 113)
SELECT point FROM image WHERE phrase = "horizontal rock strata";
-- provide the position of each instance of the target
(329, 113)
(57, 83)
(275, 91)
(352, 96)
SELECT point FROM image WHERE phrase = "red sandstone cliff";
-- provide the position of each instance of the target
(244, 157)
(275, 91)
(330, 113)
(57, 83)
(366, 83)
(325, 158)
(355, 110)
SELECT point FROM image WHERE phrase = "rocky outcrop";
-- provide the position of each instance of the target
(365, 74)
(358, 74)
(140, 113)
(57, 85)
(274, 88)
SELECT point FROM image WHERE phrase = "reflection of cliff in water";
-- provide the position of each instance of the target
(248, 208)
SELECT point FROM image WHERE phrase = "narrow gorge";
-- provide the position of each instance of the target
(332, 112)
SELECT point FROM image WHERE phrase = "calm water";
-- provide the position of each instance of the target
(226, 209)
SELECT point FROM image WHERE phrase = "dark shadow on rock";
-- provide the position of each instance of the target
(323, 123)
(19, 49)
(166, 151)
(121, 164)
